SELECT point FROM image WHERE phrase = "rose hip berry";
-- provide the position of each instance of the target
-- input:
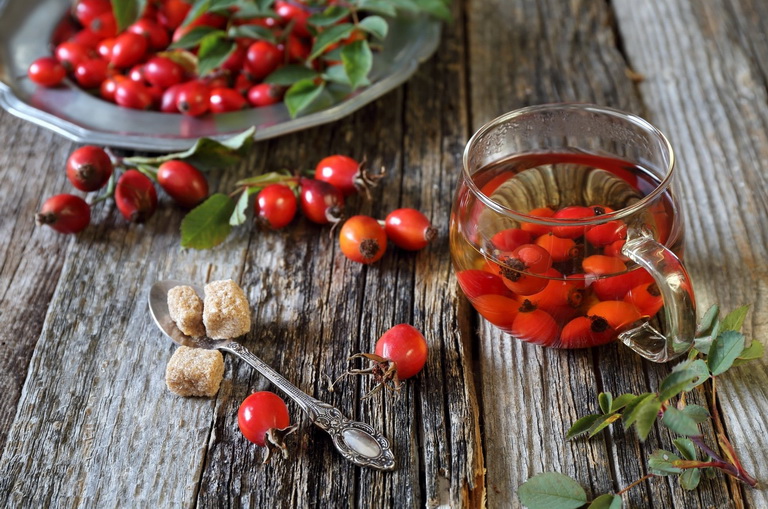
(130, 94)
(362, 239)
(129, 49)
(320, 202)
(135, 196)
(265, 94)
(405, 346)
(572, 213)
(89, 168)
(91, 73)
(192, 98)
(261, 59)
(264, 420)
(65, 213)
(223, 100)
(475, 283)
(534, 325)
(510, 239)
(409, 229)
(46, 71)
(340, 171)
(586, 331)
(183, 182)
(619, 314)
(275, 206)
(163, 72)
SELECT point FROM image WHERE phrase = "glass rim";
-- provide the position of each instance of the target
(604, 110)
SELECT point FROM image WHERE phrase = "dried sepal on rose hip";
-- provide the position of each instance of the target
(400, 354)
(320, 202)
(346, 174)
(65, 213)
(89, 168)
(362, 239)
(264, 420)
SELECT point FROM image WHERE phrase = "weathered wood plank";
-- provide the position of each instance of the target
(705, 85)
(31, 257)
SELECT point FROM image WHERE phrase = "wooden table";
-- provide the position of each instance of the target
(86, 420)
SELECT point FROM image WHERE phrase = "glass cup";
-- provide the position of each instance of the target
(565, 231)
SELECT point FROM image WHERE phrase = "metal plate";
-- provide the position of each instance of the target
(26, 27)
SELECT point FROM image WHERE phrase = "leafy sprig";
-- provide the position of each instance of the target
(718, 347)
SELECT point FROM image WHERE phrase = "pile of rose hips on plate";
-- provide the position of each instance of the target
(194, 57)
(400, 353)
(279, 197)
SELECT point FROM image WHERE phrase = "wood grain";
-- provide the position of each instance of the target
(31, 257)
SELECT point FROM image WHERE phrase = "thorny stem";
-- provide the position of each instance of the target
(644, 478)
(733, 469)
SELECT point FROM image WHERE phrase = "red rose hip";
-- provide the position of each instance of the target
(65, 213)
(89, 168)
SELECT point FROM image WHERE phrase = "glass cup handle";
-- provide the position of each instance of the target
(679, 304)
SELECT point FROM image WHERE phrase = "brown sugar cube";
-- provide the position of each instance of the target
(194, 372)
(226, 312)
(186, 310)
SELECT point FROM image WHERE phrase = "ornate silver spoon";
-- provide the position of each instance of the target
(358, 442)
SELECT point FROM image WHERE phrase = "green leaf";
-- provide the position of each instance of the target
(127, 12)
(357, 60)
(708, 321)
(328, 37)
(214, 51)
(238, 214)
(679, 422)
(290, 74)
(383, 7)
(662, 462)
(629, 416)
(192, 38)
(646, 416)
(436, 8)
(698, 413)
(252, 32)
(735, 319)
(603, 422)
(272, 177)
(689, 480)
(581, 426)
(376, 26)
(207, 225)
(329, 16)
(551, 490)
(605, 399)
(725, 349)
(407, 5)
(206, 154)
(301, 94)
(754, 351)
(686, 447)
(606, 501)
(643, 415)
(198, 8)
(621, 402)
(684, 377)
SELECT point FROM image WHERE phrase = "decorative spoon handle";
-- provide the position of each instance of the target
(358, 442)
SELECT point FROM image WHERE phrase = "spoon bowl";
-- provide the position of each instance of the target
(358, 442)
